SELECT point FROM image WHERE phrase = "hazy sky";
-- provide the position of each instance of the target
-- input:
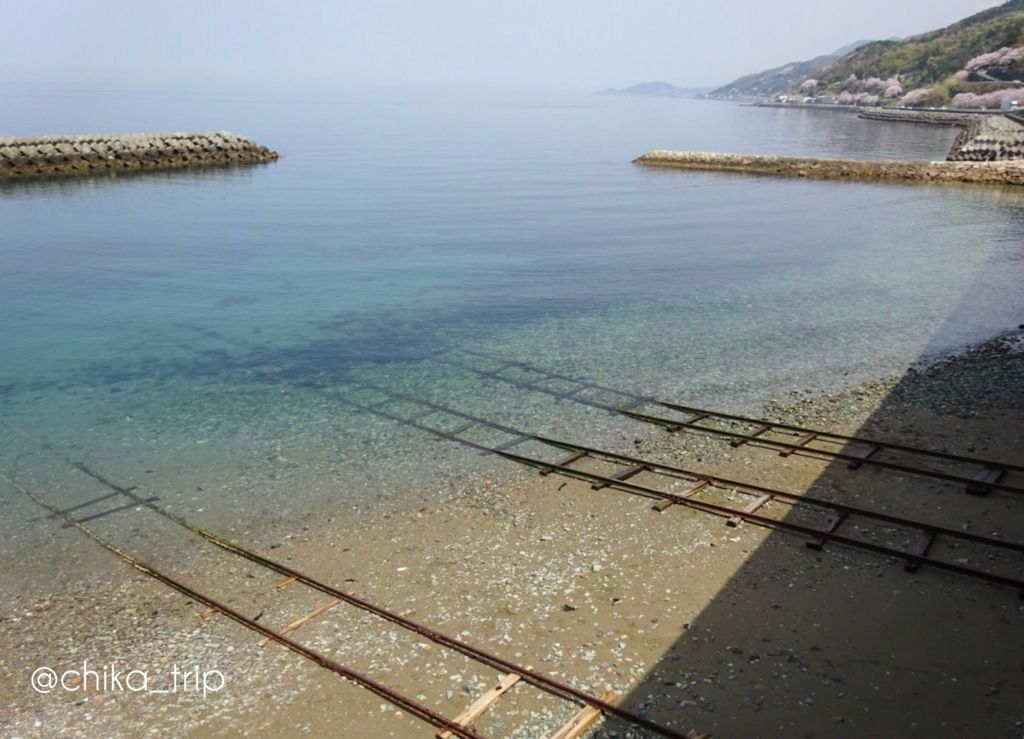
(319, 45)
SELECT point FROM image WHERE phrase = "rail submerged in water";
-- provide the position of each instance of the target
(985, 173)
(593, 706)
(47, 156)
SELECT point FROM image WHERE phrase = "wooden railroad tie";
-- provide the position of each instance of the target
(478, 707)
(818, 544)
(455, 432)
(751, 436)
(565, 461)
(861, 455)
(662, 505)
(985, 477)
(512, 443)
(282, 583)
(620, 476)
(305, 619)
(919, 549)
(583, 720)
(569, 393)
(802, 441)
(86, 504)
(751, 507)
(109, 511)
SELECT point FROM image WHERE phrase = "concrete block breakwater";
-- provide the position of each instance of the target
(984, 138)
(989, 140)
(990, 173)
(67, 155)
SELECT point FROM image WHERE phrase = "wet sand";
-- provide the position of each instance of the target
(735, 631)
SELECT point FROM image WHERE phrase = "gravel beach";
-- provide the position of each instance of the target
(738, 632)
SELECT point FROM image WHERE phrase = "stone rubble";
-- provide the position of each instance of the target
(989, 139)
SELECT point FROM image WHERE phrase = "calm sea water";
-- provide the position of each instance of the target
(203, 333)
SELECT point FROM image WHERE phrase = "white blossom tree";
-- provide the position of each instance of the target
(994, 99)
(918, 96)
(1000, 58)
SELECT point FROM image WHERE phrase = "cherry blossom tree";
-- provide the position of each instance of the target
(919, 96)
(1000, 58)
(993, 99)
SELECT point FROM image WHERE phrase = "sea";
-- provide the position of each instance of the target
(264, 343)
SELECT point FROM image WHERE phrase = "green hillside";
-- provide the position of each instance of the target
(933, 64)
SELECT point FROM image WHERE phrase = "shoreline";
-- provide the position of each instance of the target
(545, 571)
(354, 512)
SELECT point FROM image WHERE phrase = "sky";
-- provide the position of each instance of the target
(325, 46)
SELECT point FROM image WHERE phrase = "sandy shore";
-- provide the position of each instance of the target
(736, 631)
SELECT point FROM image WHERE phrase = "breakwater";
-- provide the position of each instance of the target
(992, 139)
(990, 173)
(92, 154)
(928, 117)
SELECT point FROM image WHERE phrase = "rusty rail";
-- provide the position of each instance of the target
(402, 701)
(528, 674)
(981, 483)
(817, 536)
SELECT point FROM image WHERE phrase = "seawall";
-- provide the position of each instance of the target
(92, 154)
(989, 173)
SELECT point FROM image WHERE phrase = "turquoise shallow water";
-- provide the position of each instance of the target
(203, 330)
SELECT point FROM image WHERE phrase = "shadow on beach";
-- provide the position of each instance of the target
(840, 641)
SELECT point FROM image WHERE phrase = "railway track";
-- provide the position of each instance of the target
(592, 707)
(786, 439)
(842, 524)
(913, 542)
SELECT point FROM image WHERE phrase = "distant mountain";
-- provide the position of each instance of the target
(658, 89)
(782, 79)
(850, 48)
